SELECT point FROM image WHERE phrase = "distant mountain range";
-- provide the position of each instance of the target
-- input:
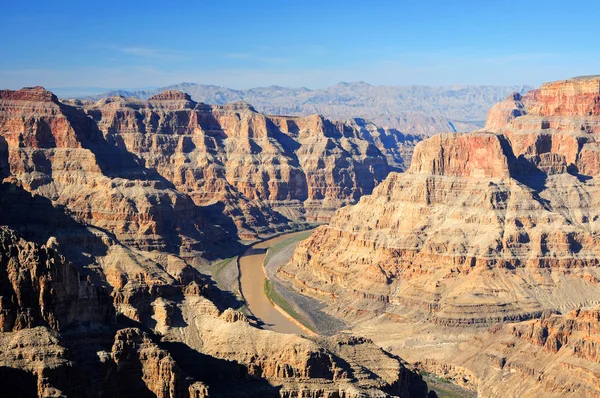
(411, 109)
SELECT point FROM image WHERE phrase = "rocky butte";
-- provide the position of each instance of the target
(264, 173)
(481, 261)
(108, 212)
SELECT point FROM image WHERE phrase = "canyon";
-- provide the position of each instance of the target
(480, 262)
(113, 214)
(472, 257)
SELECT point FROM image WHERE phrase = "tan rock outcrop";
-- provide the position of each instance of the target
(134, 353)
(38, 287)
(504, 112)
(295, 365)
(94, 354)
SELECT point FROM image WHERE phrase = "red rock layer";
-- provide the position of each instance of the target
(171, 95)
(573, 97)
(58, 152)
(37, 94)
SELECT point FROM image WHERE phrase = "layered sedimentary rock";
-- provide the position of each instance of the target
(483, 228)
(268, 171)
(100, 248)
(158, 173)
(58, 152)
(503, 112)
(37, 287)
(60, 336)
(294, 366)
(466, 211)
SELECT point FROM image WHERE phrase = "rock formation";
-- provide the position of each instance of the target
(484, 229)
(158, 173)
(107, 214)
(268, 171)
(60, 336)
(58, 152)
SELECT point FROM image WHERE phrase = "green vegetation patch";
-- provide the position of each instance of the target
(444, 388)
(277, 299)
(218, 267)
(277, 247)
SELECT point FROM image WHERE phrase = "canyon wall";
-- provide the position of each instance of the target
(146, 168)
(62, 334)
(497, 227)
(108, 212)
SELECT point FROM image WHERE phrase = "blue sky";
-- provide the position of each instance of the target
(241, 44)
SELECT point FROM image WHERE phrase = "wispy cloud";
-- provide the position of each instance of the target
(142, 52)
(277, 55)
(520, 57)
(442, 69)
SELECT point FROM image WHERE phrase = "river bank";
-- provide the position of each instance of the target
(252, 288)
(305, 309)
(225, 273)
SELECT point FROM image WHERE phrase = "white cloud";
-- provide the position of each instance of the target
(142, 52)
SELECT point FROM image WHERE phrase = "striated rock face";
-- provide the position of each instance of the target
(56, 326)
(37, 287)
(134, 353)
(483, 228)
(455, 155)
(171, 95)
(105, 223)
(578, 330)
(267, 171)
(57, 152)
(158, 173)
(69, 343)
(554, 355)
(504, 112)
(579, 96)
(466, 211)
(34, 94)
(295, 366)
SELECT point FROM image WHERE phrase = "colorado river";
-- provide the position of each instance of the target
(252, 281)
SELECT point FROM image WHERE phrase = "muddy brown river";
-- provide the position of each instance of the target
(252, 277)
